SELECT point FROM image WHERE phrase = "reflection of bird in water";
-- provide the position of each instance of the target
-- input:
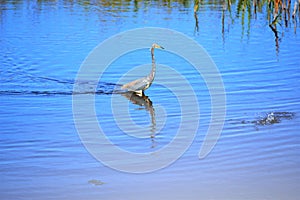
(196, 30)
(145, 102)
(196, 8)
(139, 85)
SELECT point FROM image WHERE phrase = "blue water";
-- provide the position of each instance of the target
(44, 43)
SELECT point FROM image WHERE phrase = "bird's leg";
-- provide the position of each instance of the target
(139, 93)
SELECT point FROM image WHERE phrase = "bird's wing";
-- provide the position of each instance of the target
(136, 85)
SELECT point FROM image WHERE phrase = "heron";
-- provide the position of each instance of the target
(138, 86)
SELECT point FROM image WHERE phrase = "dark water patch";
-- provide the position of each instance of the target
(95, 182)
(102, 88)
(38, 93)
(70, 82)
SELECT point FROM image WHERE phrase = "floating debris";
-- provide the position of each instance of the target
(96, 182)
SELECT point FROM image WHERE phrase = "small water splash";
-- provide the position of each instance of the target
(267, 119)
(273, 118)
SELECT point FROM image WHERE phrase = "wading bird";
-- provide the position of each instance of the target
(138, 86)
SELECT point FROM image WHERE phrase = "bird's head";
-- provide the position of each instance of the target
(157, 46)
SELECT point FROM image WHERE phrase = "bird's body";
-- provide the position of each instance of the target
(139, 85)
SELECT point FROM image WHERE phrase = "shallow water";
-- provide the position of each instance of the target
(43, 45)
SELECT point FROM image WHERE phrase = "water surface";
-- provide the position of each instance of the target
(43, 44)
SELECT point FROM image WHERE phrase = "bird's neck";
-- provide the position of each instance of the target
(152, 73)
(152, 53)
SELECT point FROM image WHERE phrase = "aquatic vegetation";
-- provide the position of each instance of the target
(296, 8)
(276, 12)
